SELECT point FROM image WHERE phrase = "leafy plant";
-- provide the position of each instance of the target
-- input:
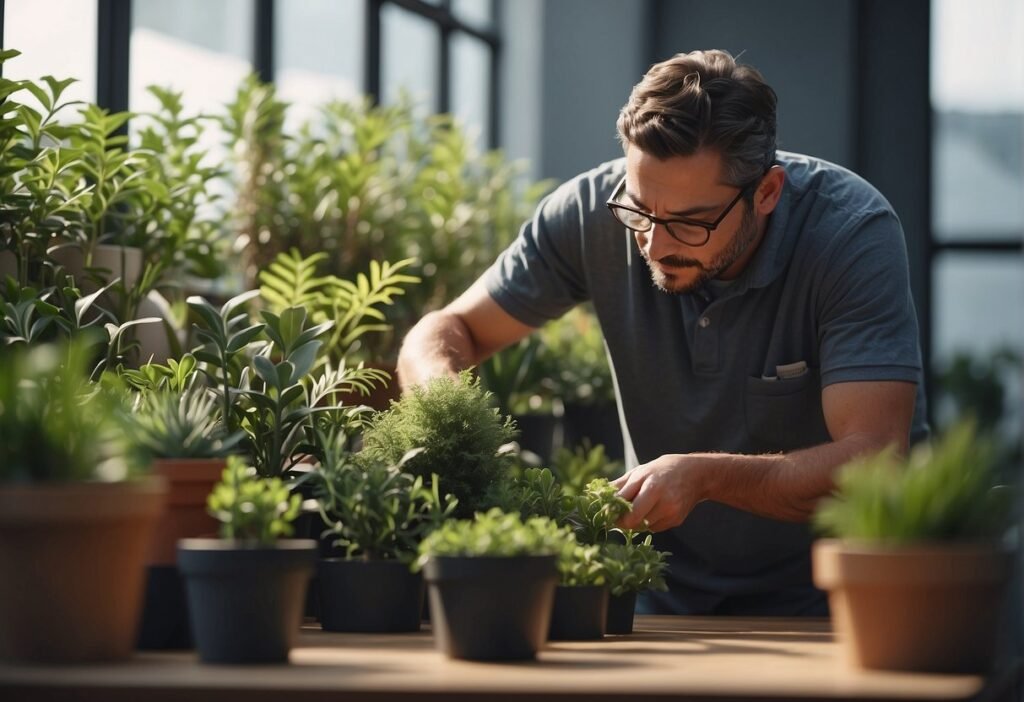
(634, 566)
(513, 376)
(945, 492)
(575, 468)
(251, 509)
(537, 493)
(54, 425)
(375, 511)
(595, 511)
(497, 534)
(461, 433)
(186, 424)
(575, 359)
(580, 565)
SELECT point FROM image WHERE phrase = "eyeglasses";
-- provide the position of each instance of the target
(692, 232)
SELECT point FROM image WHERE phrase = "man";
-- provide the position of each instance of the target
(778, 339)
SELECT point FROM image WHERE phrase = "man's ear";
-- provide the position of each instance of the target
(769, 191)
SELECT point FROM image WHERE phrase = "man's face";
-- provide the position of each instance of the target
(689, 187)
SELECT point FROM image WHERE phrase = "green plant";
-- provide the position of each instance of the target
(537, 493)
(251, 509)
(633, 566)
(581, 565)
(461, 433)
(513, 376)
(375, 511)
(945, 492)
(353, 306)
(54, 424)
(575, 359)
(175, 377)
(575, 468)
(180, 424)
(496, 534)
(595, 511)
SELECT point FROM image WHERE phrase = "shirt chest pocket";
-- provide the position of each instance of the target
(784, 414)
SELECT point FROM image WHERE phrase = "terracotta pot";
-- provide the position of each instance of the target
(927, 607)
(380, 397)
(72, 558)
(189, 483)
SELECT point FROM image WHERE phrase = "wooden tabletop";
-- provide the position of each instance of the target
(667, 658)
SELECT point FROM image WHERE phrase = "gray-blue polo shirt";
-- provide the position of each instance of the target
(828, 286)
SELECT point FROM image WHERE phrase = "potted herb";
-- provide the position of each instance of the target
(916, 569)
(580, 609)
(175, 420)
(462, 436)
(492, 582)
(376, 516)
(630, 568)
(75, 519)
(246, 589)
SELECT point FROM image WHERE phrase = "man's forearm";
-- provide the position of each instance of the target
(439, 344)
(780, 486)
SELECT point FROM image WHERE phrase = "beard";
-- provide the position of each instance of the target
(668, 282)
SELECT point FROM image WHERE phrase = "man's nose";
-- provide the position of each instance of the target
(659, 242)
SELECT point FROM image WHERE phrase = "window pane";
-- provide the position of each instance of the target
(475, 12)
(978, 98)
(409, 57)
(319, 52)
(978, 314)
(199, 47)
(55, 37)
(470, 96)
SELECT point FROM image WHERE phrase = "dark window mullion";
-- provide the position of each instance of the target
(263, 40)
(371, 75)
(493, 96)
(444, 67)
(991, 245)
(113, 49)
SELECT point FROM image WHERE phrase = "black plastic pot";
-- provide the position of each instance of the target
(621, 609)
(579, 613)
(245, 603)
(491, 608)
(164, 623)
(369, 596)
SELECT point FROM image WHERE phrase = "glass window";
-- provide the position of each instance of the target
(410, 50)
(478, 13)
(199, 47)
(977, 86)
(57, 38)
(470, 85)
(318, 52)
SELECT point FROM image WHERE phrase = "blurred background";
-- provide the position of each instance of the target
(925, 98)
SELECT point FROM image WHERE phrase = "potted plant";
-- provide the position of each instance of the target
(246, 589)
(580, 609)
(176, 421)
(464, 439)
(916, 569)
(630, 568)
(491, 582)
(376, 516)
(75, 519)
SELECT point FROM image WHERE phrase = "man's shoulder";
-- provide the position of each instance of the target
(818, 183)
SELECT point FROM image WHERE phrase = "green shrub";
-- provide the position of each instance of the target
(496, 534)
(580, 565)
(252, 509)
(460, 432)
(632, 566)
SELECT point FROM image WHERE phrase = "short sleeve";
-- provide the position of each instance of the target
(867, 324)
(540, 276)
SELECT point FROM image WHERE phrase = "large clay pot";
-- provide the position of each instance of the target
(927, 607)
(72, 561)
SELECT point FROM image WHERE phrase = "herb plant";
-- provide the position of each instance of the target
(634, 566)
(942, 492)
(461, 433)
(251, 509)
(580, 565)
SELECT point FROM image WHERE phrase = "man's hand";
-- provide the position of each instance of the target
(662, 492)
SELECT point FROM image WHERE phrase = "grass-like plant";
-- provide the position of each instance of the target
(497, 534)
(168, 424)
(254, 510)
(375, 511)
(461, 433)
(941, 492)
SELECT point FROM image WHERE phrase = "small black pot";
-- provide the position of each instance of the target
(369, 596)
(491, 608)
(620, 613)
(579, 613)
(164, 622)
(245, 603)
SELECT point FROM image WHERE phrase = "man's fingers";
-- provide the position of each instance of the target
(643, 503)
(629, 489)
(619, 481)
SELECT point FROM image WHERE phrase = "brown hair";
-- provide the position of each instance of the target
(704, 99)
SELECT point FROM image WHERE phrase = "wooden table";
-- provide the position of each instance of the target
(667, 658)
